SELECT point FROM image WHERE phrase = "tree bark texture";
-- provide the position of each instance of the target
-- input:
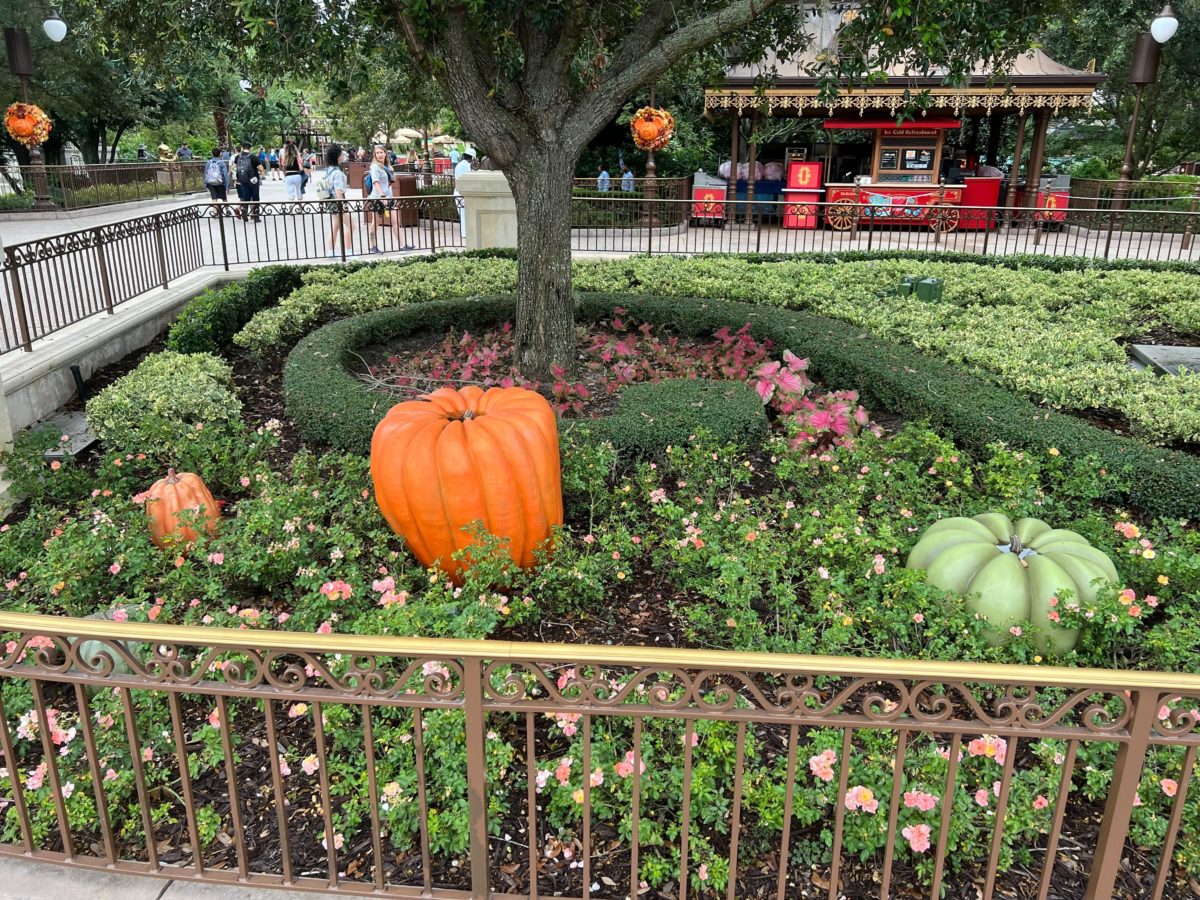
(545, 332)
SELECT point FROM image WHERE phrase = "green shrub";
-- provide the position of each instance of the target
(178, 409)
(655, 415)
(889, 376)
(327, 293)
(208, 322)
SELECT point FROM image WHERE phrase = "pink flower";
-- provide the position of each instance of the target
(990, 746)
(337, 590)
(384, 585)
(214, 718)
(120, 615)
(981, 797)
(1040, 802)
(821, 765)
(110, 775)
(703, 871)
(918, 837)
(859, 797)
(577, 795)
(153, 613)
(563, 772)
(1169, 786)
(338, 841)
(284, 769)
(1015, 631)
(920, 800)
(244, 481)
(147, 754)
(919, 618)
(114, 568)
(296, 710)
(325, 628)
(55, 466)
(623, 769)
(1053, 616)
(597, 778)
(216, 558)
(310, 764)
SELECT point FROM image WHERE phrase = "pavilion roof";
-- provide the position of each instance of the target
(1032, 81)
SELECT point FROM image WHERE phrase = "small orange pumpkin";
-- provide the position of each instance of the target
(20, 127)
(179, 493)
(456, 457)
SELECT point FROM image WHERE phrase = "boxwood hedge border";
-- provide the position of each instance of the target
(331, 407)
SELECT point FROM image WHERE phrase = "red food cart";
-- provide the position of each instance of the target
(441, 164)
(802, 194)
(903, 186)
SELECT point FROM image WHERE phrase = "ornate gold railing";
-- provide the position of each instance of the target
(182, 749)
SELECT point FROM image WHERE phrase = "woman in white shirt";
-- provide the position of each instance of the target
(380, 205)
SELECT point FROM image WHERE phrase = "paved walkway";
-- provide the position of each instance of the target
(23, 880)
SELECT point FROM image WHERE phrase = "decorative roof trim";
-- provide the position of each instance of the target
(796, 101)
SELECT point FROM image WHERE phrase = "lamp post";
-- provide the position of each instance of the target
(20, 63)
(1147, 50)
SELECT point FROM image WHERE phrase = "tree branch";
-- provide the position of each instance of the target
(651, 61)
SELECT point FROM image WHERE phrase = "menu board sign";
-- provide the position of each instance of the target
(918, 160)
(889, 159)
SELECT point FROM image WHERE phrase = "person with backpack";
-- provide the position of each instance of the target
(247, 171)
(216, 177)
(330, 184)
(308, 161)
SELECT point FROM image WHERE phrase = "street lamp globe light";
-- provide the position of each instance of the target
(1165, 25)
(55, 27)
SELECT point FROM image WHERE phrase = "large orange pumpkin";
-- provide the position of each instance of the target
(456, 457)
(652, 128)
(179, 493)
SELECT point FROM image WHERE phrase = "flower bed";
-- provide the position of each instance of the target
(782, 545)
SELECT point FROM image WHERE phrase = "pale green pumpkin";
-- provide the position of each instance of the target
(1008, 573)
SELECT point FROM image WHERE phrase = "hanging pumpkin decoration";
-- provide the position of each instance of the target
(1010, 572)
(180, 493)
(456, 457)
(652, 128)
(27, 124)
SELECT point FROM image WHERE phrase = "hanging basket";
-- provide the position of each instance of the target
(27, 124)
(652, 128)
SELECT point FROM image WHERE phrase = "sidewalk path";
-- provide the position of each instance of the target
(18, 230)
(24, 880)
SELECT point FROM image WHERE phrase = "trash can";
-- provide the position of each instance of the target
(405, 186)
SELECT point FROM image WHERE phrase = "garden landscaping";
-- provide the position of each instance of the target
(751, 449)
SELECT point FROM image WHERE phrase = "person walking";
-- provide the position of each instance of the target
(454, 156)
(463, 167)
(603, 179)
(626, 177)
(331, 185)
(293, 175)
(247, 170)
(308, 159)
(216, 178)
(380, 205)
(276, 171)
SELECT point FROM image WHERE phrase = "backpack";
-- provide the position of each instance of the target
(214, 172)
(321, 186)
(368, 184)
(245, 168)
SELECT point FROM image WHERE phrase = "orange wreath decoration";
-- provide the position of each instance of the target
(652, 128)
(27, 124)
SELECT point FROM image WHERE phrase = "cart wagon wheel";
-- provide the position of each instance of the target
(841, 216)
(943, 218)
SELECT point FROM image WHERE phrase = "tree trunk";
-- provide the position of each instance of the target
(545, 308)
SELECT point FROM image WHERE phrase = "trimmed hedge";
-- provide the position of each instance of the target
(1011, 261)
(331, 407)
(654, 415)
(209, 321)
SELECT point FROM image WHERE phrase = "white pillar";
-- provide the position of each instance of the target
(6, 443)
(491, 212)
